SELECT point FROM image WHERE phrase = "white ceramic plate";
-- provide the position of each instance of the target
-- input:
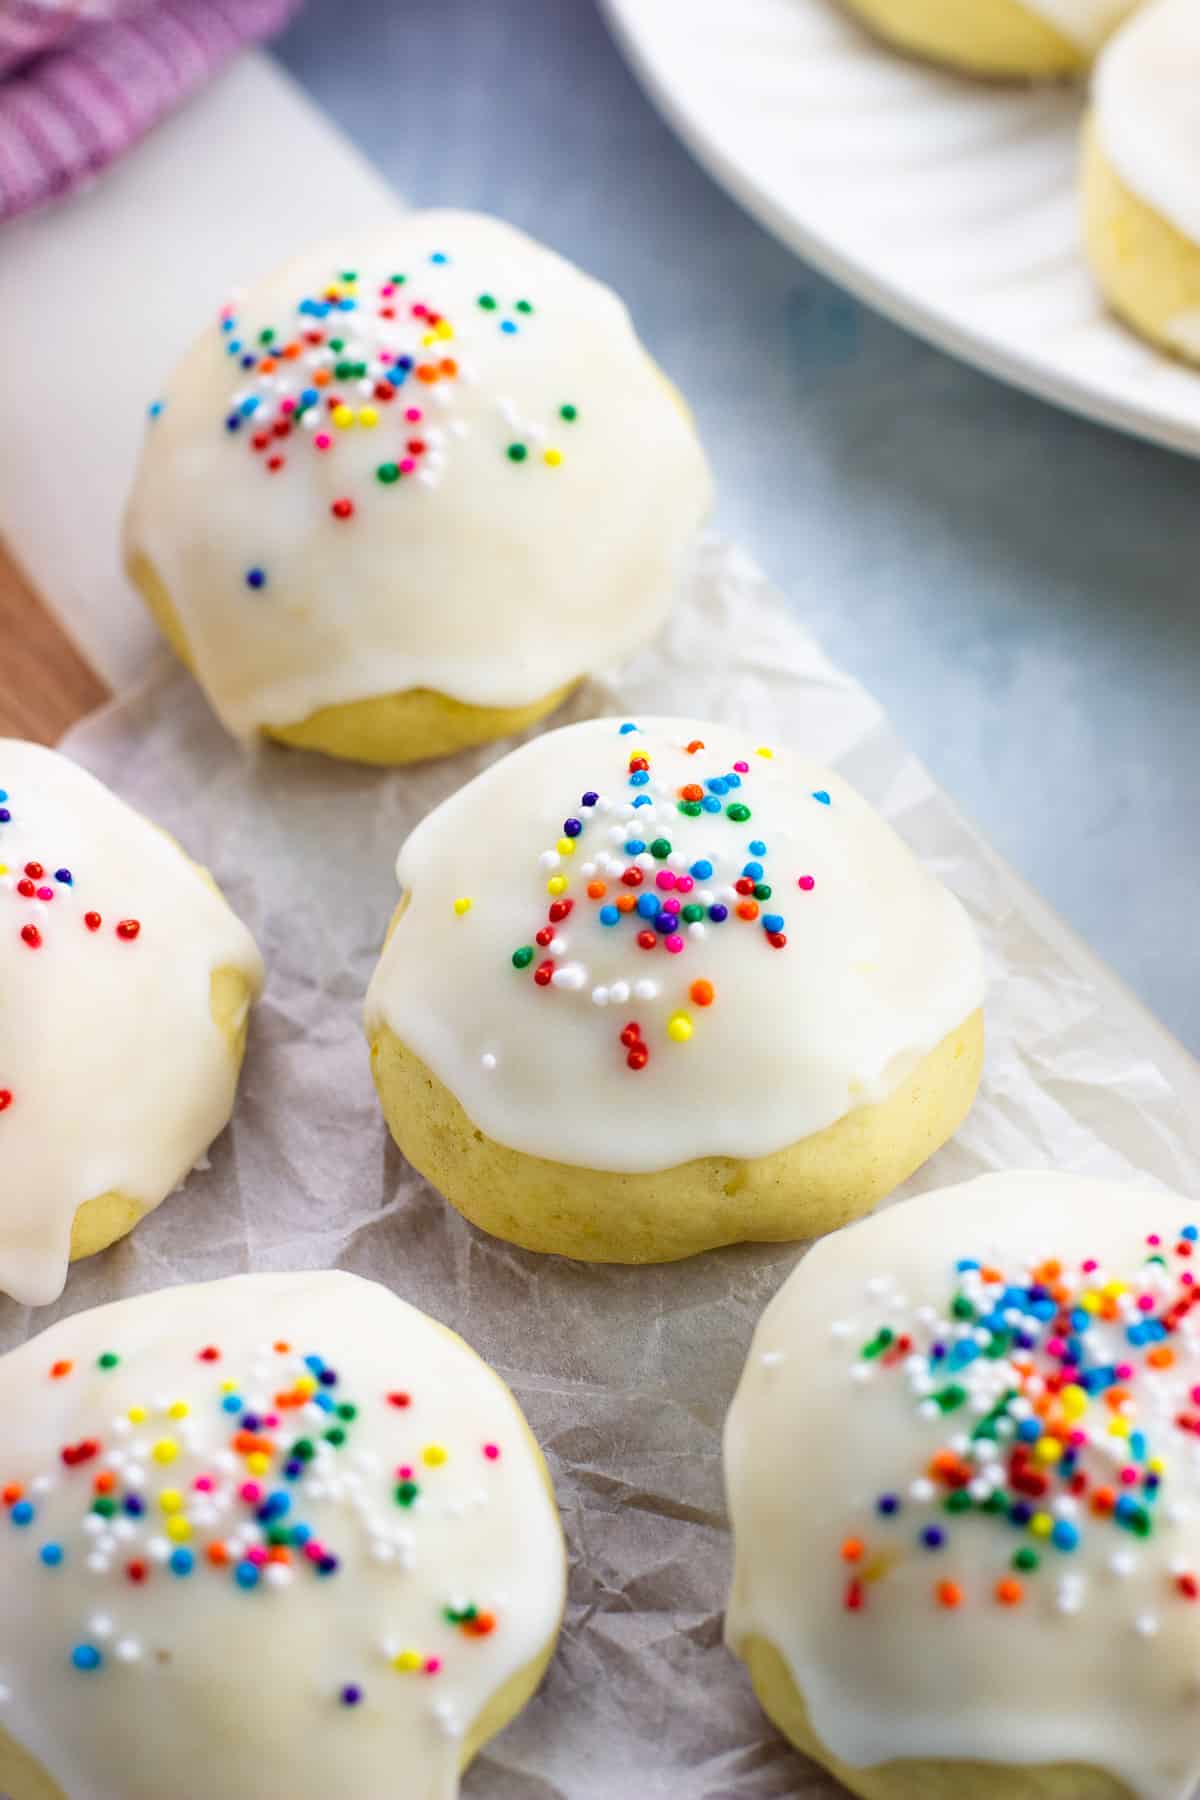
(950, 204)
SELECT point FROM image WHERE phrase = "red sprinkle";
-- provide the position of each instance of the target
(93, 921)
(31, 936)
(342, 509)
(128, 929)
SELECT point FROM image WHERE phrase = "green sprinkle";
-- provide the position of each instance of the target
(305, 1449)
(957, 1501)
(109, 1360)
(962, 1308)
(569, 413)
(347, 1411)
(398, 280)
(999, 1345)
(517, 453)
(523, 306)
(406, 1493)
(335, 1436)
(266, 336)
(879, 1343)
(488, 302)
(387, 473)
(996, 1502)
(349, 371)
(349, 275)
(452, 1617)
(691, 808)
(1025, 1559)
(761, 891)
(660, 848)
(279, 1534)
(692, 914)
(522, 958)
(950, 1397)
(105, 1506)
(337, 343)
(738, 811)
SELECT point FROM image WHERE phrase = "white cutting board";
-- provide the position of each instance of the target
(99, 296)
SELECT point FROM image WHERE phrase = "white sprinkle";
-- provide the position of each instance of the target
(618, 993)
(549, 859)
(5, 1694)
(278, 1575)
(861, 1372)
(99, 1565)
(1122, 1563)
(128, 1650)
(921, 1490)
(100, 1625)
(487, 1061)
(557, 946)
(572, 976)
(645, 990)
(840, 1328)
(600, 996)
(772, 1358)
(1146, 1625)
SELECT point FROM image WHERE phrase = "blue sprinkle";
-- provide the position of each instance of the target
(226, 325)
(1190, 1233)
(293, 1469)
(711, 804)
(1065, 1536)
(717, 786)
(328, 1565)
(233, 422)
(571, 828)
(626, 729)
(965, 1264)
(134, 1505)
(718, 912)
(247, 361)
(86, 1657)
(246, 1575)
(1020, 1512)
(64, 877)
(648, 905)
(231, 1404)
(403, 362)
(51, 1555)
(439, 256)
(323, 1402)
(757, 847)
(643, 800)
(155, 408)
(250, 406)
(314, 1363)
(666, 922)
(733, 781)
(347, 305)
(182, 1561)
(3, 793)
(351, 1694)
(507, 326)
(701, 870)
(634, 847)
(609, 915)
(256, 578)
(327, 1378)
(1079, 1319)
(964, 1352)
(888, 1504)
(22, 1513)
(1029, 1431)
(1137, 1445)
(589, 799)
(933, 1537)
(822, 796)
(639, 778)
(772, 922)
(753, 871)
(309, 397)
(300, 1534)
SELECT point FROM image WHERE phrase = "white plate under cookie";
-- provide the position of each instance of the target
(951, 205)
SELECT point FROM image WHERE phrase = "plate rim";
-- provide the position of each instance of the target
(1042, 380)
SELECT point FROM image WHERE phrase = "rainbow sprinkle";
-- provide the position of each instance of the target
(218, 1486)
(32, 887)
(1055, 1383)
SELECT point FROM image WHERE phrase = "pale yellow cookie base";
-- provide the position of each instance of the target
(22, 1776)
(995, 38)
(101, 1221)
(800, 1192)
(783, 1703)
(1149, 272)
(387, 729)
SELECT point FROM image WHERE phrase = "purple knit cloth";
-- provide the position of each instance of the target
(82, 80)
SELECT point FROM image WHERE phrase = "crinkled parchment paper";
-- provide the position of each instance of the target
(625, 1373)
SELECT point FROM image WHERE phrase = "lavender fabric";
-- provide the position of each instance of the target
(82, 80)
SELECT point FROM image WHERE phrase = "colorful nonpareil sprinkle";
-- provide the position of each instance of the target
(224, 1483)
(1063, 1407)
(659, 871)
(389, 356)
(37, 893)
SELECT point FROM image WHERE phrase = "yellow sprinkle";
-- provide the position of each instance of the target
(3, 868)
(137, 1415)
(179, 1529)
(444, 329)
(433, 1455)
(765, 752)
(1041, 1524)
(343, 416)
(565, 846)
(679, 1028)
(427, 340)
(258, 1462)
(165, 1451)
(552, 458)
(229, 1387)
(179, 1410)
(1048, 1450)
(170, 1500)
(368, 416)
(1119, 1428)
(1074, 1401)
(306, 1385)
(1090, 1303)
(1112, 1290)
(407, 1661)
(1157, 1465)
(557, 884)
(462, 906)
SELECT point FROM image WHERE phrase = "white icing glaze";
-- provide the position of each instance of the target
(113, 1073)
(880, 961)
(246, 1683)
(487, 579)
(1144, 92)
(1084, 22)
(1097, 1663)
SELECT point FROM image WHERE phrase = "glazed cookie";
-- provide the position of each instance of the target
(1141, 176)
(408, 489)
(281, 1530)
(964, 1483)
(125, 986)
(657, 988)
(1005, 38)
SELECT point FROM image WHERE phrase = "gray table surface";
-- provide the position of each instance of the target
(1018, 588)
